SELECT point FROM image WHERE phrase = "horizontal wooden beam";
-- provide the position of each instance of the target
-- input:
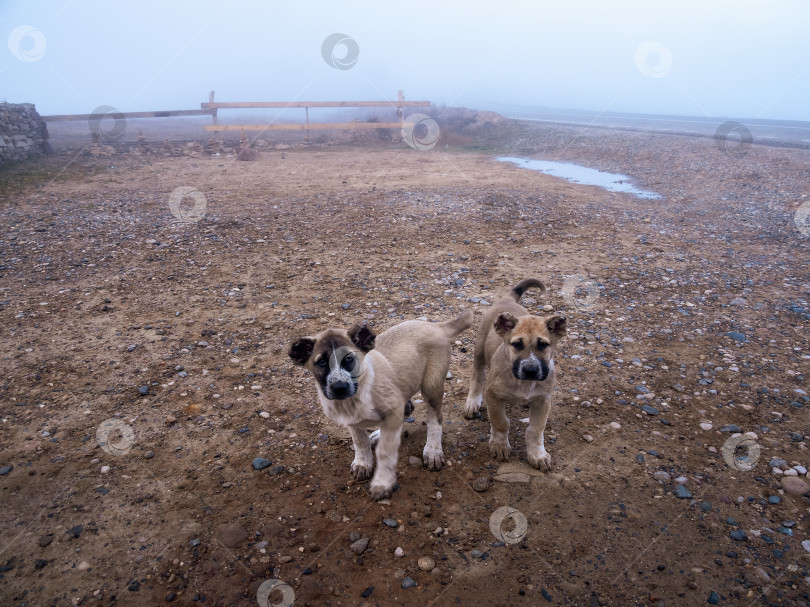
(312, 126)
(119, 115)
(307, 104)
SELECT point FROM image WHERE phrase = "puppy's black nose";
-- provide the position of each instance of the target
(339, 388)
(530, 371)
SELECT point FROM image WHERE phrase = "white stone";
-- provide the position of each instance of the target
(105, 469)
(706, 426)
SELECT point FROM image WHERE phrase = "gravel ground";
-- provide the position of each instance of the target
(144, 372)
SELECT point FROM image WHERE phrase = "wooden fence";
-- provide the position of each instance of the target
(212, 107)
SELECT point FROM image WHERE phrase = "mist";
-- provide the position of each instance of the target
(735, 59)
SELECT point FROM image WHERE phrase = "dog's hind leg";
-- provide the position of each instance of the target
(433, 391)
(475, 397)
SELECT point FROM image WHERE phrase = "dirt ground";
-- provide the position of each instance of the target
(694, 306)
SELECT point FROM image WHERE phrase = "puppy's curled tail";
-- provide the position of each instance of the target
(457, 325)
(520, 288)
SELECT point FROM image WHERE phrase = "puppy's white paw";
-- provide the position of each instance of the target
(500, 450)
(374, 438)
(433, 458)
(472, 406)
(362, 471)
(541, 461)
(380, 491)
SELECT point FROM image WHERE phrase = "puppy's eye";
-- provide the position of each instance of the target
(517, 345)
(348, 359)
(321, 362)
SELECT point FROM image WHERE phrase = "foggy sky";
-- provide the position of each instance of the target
(744, 59)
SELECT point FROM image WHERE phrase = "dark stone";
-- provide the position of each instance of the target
(260, 463)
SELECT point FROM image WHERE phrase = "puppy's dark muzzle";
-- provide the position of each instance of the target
(338, 390)
(529, 371)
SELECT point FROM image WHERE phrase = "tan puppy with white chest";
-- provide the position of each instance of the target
(366, 380)
(516, 350)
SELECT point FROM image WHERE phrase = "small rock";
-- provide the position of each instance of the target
(649, 410)
(736, 335)
(661, 476)
(734, 429)
(105, 469)
(408, 582)
(615, 425)
(143, 390)
(426, 563)
(481, 484)
(793, 485)
(45, 540)
(738, 535)
(399, 552)
(806, 545)
(275, 470)
(449, 375)
(800, 469)
(774, 499)
(354, 536)
(149, 455)
(705, 426)
(232, 534)
(587, 438)
(390, 522)
(83, 566)
(714, 598)
(682, 492)
(414, 461)
(359, 547)
(5, 470)
(261, 463)
(512, 477)
(705, 506)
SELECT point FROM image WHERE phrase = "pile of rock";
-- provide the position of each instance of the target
(23, 133)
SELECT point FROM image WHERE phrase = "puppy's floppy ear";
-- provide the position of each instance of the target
(362, 337)
(505, 323)
(301, 350)
(557, 325)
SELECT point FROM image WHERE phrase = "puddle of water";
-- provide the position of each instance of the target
(575, 173)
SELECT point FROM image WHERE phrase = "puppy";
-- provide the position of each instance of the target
(516, 349)
(366, 380)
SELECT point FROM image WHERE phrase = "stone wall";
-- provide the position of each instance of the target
(23, 134)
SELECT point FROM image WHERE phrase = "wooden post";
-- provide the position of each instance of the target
(214, 109)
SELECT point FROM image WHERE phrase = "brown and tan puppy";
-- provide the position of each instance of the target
(514, 352)
(366, 380)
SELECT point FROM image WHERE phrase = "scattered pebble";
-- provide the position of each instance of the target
(408, 582)
(261, 463)
(481, 484)
(426, 563)
(359, 547)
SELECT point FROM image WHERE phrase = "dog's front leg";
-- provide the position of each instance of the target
(499, 446)
(385, 476)
(535, 448)
(363, 463)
